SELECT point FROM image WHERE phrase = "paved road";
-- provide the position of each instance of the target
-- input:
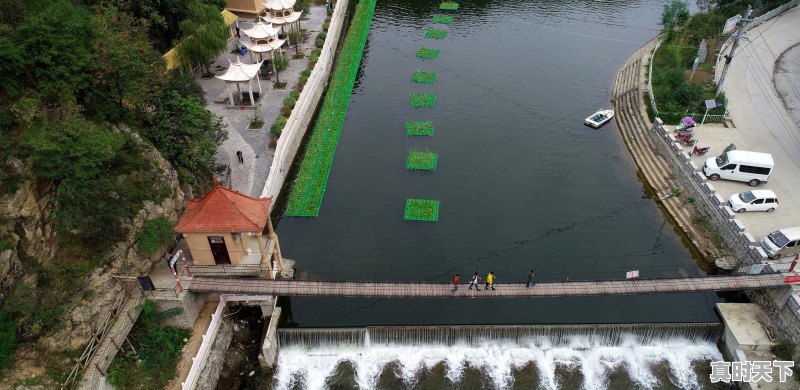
(762, 123)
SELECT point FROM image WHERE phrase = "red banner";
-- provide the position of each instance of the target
(792, 279)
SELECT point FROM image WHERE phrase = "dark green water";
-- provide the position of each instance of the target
(522, 183)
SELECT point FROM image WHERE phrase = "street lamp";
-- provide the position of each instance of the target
(710, 104)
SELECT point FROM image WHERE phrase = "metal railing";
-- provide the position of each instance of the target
(650, 94)
(229, 270)
(771, 14)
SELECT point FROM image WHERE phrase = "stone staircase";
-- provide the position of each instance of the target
(633, 123)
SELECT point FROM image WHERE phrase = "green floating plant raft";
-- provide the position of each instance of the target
(421, 210)
(435, 34)
(305, 199)
(427, 53)
(424, 77)
(443, 19)
(419, 128)
(423, 161)
(422, 100)
(448, 6)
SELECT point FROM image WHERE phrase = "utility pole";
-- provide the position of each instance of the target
(742, 24)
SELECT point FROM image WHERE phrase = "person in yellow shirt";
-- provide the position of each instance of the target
(490, 281)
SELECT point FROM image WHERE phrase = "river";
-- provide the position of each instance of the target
(523, 184)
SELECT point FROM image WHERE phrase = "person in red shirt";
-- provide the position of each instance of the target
(455, 284)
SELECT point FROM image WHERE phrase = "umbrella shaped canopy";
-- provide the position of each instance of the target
(279, 4)
(239, 72)
(261, 30)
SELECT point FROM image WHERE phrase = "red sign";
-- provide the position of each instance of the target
(792, 279)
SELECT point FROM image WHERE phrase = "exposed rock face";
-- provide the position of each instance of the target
(26, 217)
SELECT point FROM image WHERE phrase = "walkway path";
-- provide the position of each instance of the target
(516, 290)
(257, 146)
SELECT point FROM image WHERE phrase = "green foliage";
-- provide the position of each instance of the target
(424, 161)
(306, 196)
(119, 375)
(186, 134)
(687, 94)
(295, 94)
(6, 244)
(326, 25)
(155, 233)
(280, 63)
(419, 128)
(675, 14)
(424, 77)
(289, 102)
(11, 61)
(162, 346)
(784, 350)
(8, 338)
(319, 42)
(443, 19)
(435, 34)
(294, 37)
(304, 5)
(421, 210)
(277, 127)
(205, 36)
(448, 6)
(418, 100)
(150, 317)
(90, 209)
(256, 122)
(427, 53)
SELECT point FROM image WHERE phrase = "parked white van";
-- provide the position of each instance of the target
(751, 167)
(782, 242)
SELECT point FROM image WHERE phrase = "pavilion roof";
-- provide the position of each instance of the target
(279, 4)
(282, 19)
(223, 210)
(239, 72)
(263, 48)
(261, 30)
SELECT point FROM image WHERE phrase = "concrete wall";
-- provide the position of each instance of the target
(269, 347)
(209, 376)
(303, 112)
(190, 303)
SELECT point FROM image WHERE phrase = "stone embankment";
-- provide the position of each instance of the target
(633, 124)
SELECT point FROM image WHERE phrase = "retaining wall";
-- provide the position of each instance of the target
(302, 114)
(190, 304)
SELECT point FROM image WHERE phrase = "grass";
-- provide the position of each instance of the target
(305, 199)
(418, 100)
(423, 161)
(421, 210)
(435, 34)
(427, 53)
(419, 128)
(448, 6)
(443, 19)
(424, 77)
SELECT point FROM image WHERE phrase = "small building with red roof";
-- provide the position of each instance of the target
(226, 227)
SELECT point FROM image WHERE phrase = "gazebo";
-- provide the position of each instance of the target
(281, 12)
(242, 73)
(263, 39)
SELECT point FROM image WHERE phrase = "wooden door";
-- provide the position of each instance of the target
(219, 250)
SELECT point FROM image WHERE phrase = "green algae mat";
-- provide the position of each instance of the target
(424, 77)
(419, 128)
(435, 34)
(305, 199)
(427, 54)
(422, 161)
(421, 210)
(418, 100)
(448, 6)
(443, 19)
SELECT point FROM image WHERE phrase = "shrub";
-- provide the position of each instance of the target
(295, 94)
(316, 52)
(688, 95)
(8, 338)
(161, 346)
(154, 233)
(319, 42)
(278, 126)
(306, 72)
(322, 35)
(302, 82)
(326, 25)
(289, 102)
(784, 350)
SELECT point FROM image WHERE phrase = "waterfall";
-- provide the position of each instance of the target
(558, 335)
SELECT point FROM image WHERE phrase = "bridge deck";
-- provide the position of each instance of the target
(442, 290)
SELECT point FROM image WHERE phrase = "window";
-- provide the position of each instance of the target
(729, 167)
(769, 200)
(759, 201)
(752, 169)
(791, 244)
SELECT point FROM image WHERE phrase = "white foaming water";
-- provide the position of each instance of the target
(498, 360)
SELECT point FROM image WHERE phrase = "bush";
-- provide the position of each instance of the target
(295, 94)
(277, 127)
(289, 102)
(8, 338)
(319, 42)
(306, 73)
(154, 233)
(687, 95)
(322, 35)
(326, 25)
(161, 346)
(784, 350)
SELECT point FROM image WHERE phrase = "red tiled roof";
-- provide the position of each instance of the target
(223, 210)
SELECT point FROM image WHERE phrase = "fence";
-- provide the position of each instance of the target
(771, 14)
(653, 105)
(205, 347)
(719, 216)
(300, 119)
(227, 270)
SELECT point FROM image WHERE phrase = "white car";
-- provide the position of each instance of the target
(756, 200)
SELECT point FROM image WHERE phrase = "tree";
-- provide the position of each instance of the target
(279, 63)
(11, 61)
(186, 134)
(90, 209)
(126, 68)
(295, 36)
(205, 37)
(674, 14)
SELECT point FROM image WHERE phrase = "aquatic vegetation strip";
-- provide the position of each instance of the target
(419, 128)
(448, 6)
(436, 34)
(426, 210)
(427, 54)
(424, 77)
(443, 19)
(422, 161)
(309, 187)
(418, 100)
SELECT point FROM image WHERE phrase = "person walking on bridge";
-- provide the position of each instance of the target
(455, 284)
(474, 282)
(530, 279)
(490, 281)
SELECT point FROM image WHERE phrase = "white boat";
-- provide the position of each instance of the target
(599, 118)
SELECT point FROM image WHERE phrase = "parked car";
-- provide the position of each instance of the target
(751, 167)
(756, 200)
(782, 242)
